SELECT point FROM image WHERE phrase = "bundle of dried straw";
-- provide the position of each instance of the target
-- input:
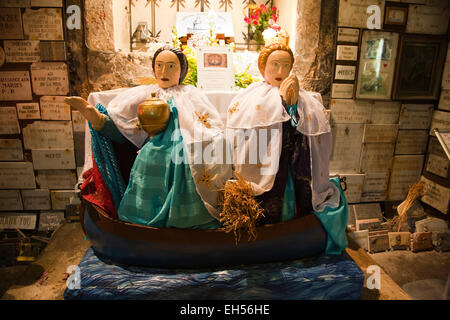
(415, 191)
(240, 209)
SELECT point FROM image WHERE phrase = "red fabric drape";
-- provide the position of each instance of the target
(95, 191)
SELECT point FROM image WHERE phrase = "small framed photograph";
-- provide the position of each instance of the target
(215, 60)
(395, 16)
(377, 65)
(215, 68)
(420, 67)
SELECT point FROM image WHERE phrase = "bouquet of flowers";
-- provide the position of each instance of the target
(259, 19)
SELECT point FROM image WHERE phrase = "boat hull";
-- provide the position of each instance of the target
(132, 244)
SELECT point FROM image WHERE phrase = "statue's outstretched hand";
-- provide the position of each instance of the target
(90, 113)
(289, 89)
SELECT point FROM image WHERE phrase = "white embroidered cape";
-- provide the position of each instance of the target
(200, 124)
(259, 107)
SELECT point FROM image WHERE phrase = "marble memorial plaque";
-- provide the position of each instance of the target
(376, 182)
(53, 159)
(24, 221)
(411, 142)
(10, 200)
(9, 124)
(354, 187)
(63, 198)
(435, 147)
(353, 13)
(28, 110)
(50, 78)
(440, 120)
(427, 19)
(347, 143)
(350, 111)
(79, 122)
(376, 157)
(48, 134)
(37, 199)
(56, 179)
(415, 116)
(342, 91)
(344, 72)
(18, 51)
(10, 23)
(46, 3)
(368, 211)
(43, 24)
(348, 35)
(17, 175)
(54, 108)
(373, 196)
(382, 133)
(49, 221)
(406, 170)
(15, 85)
(437, 165)
(11, 150)
(385, 112)
(436, 195)
(347, 53)
(53, 51)
(444, 101)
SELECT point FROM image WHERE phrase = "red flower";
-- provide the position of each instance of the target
(246, 19)
(274, 9)
(255, 23)
(274, 17)
(258, 12)
(254, 17)
(263, 7)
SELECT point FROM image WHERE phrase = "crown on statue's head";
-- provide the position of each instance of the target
(272, 36)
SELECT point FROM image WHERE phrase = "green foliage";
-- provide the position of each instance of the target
(191, 55)
(244, 79)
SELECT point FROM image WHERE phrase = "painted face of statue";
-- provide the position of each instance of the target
(167, 69)
(278, 67)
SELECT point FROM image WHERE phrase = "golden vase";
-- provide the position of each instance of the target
(153, 115)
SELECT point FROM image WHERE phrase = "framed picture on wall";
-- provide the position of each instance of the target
(376, 65)
(395, 16)
(420, 66)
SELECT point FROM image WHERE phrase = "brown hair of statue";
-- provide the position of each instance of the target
(267, 50)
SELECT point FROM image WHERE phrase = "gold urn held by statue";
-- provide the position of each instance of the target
(153, 115)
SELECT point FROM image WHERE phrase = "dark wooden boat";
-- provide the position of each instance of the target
(132, 244)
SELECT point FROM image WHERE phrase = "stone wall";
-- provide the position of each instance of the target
(314, 52)
(95, 65)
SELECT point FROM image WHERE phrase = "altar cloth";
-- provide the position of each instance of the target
(325, 277)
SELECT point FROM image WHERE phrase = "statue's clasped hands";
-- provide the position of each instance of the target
(289, 89)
